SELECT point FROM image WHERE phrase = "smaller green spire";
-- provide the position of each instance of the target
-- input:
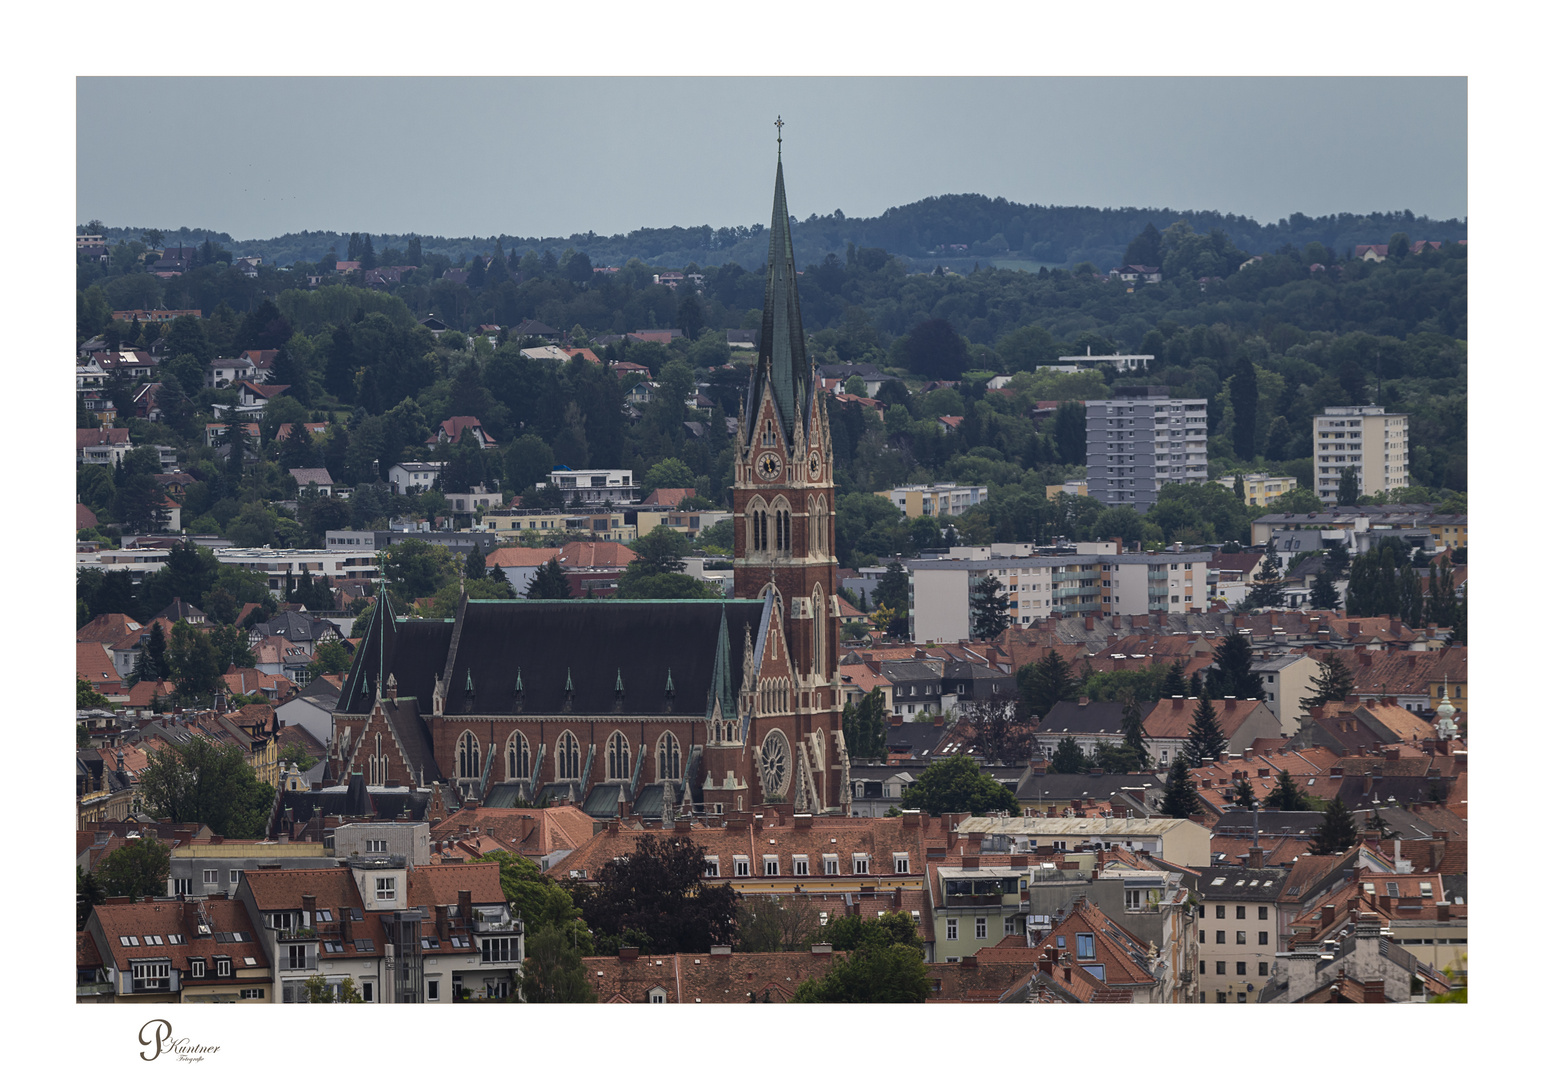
(469, 688)
(569, 685)
(519, 682)
(669, 682)
(619, 680)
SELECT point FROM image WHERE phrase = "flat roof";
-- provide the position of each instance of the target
(1072, 826)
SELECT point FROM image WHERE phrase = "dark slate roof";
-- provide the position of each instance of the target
(602, 800)
(782, 366)
(544, 645)
(918, 738)
(1094, 718)
(507, 794)
(302, 805)
(411, 649)
(1064, 787)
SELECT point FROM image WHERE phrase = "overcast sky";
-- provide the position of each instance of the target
(549, 156)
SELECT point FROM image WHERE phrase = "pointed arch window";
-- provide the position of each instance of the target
(519, 758)
(568, 757)
(669, 758)
(818, 661)
(618, 760)
(468, 756)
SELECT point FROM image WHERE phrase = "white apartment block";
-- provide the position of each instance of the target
(1364, 437)
(1141, 440)
(935, 500)
(595, 486)
(1097, 580)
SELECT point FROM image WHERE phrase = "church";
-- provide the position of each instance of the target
(650, 708)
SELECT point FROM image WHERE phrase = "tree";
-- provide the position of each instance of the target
(88, 894)
(892, 974)
(193, 665)
(1243, 793)
(1174, 682)
(1349, 491)
(778, 924)
(933, 350)
(329, 658)
(657, 892)
(141, 868)
(1337, 832)
(548, 583)
(320, 992)
(553, 971)
(1068, 757)
(1333, 683)
(1134, 736)
(416, 568)
(1045, 682)
(1244, 391)
(955, 785)
(1230, 674)
(1000, 734)
(893, 590)
(1180, 799)
(661, 551)
(1268, 590)
(87, 698)
(864, 724)
(1286, 795)
(988, 608)
(1323, 596)
(199, 781)
(475, 567)
(1206, 739)
(538, 901)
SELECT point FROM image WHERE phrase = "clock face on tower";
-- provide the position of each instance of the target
(769, 466)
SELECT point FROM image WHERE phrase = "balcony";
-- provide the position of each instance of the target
(495, 924)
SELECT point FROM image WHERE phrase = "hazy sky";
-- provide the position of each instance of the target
(549, 156)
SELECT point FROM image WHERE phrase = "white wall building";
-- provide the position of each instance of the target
(1365, 438)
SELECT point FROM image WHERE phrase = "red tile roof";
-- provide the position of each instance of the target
(121, 924)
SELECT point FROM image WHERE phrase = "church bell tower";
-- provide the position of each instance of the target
(785, 498)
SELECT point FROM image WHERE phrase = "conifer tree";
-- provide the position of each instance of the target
(1268, 589)
(476, 567)
(988, 609)
(1286, 795)
(1206, 737)
(1174, 682)
(1180, 799)
(1332, 683)
(1068, 757)
(548, 583)
(1131, 730)
(1338, 831)
(1243, 793)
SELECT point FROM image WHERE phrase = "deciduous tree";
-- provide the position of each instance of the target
(140, 868)
(658, 891)
(956, 785)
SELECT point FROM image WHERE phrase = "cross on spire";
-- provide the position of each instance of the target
(779, 125)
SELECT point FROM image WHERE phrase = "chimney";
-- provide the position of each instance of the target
(308, 902)
(1439, 839)
(1444, 911)
(970, 862)
(967, 961)
(442, 921)
(1257, 858)
(1326, 915)
(1391, 754)
(1337, 770)
(910, 819)
(683, 826)
(802, 821)
(1372, 992)
(345, 924)
(628, 954)
(464, 903)
(613, 827)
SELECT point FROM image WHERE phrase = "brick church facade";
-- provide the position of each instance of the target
(657, 708)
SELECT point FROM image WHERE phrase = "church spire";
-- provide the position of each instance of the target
(782, 365)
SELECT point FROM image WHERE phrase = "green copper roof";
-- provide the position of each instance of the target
(782, 364)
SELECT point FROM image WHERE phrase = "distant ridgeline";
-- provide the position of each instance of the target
(938, 229)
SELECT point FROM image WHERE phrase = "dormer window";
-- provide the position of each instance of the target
(860, 863)
(196, 968)
(742, 866)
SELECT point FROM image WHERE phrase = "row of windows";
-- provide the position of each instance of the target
(469, 759)
(1220, 937)
(1240, 967)
(830, 865)
(1238, 912)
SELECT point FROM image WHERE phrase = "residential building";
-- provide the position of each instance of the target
(1120, 362)
(1140, 440)
(1364, 438)
(593, 487)
(101, 446)
(1259, 489)
(1174, 840)
(403, 934)
(189, 951)
(213, 867)
(1238, 931)
(453, 429)
(407, 477)
(1095, 579)
(935, 500)
(721, 976)
(1287, 678)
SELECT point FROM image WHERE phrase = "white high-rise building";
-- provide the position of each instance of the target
(1374, 443)
(1141, 440)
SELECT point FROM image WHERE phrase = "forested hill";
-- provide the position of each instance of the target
(936, 229)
